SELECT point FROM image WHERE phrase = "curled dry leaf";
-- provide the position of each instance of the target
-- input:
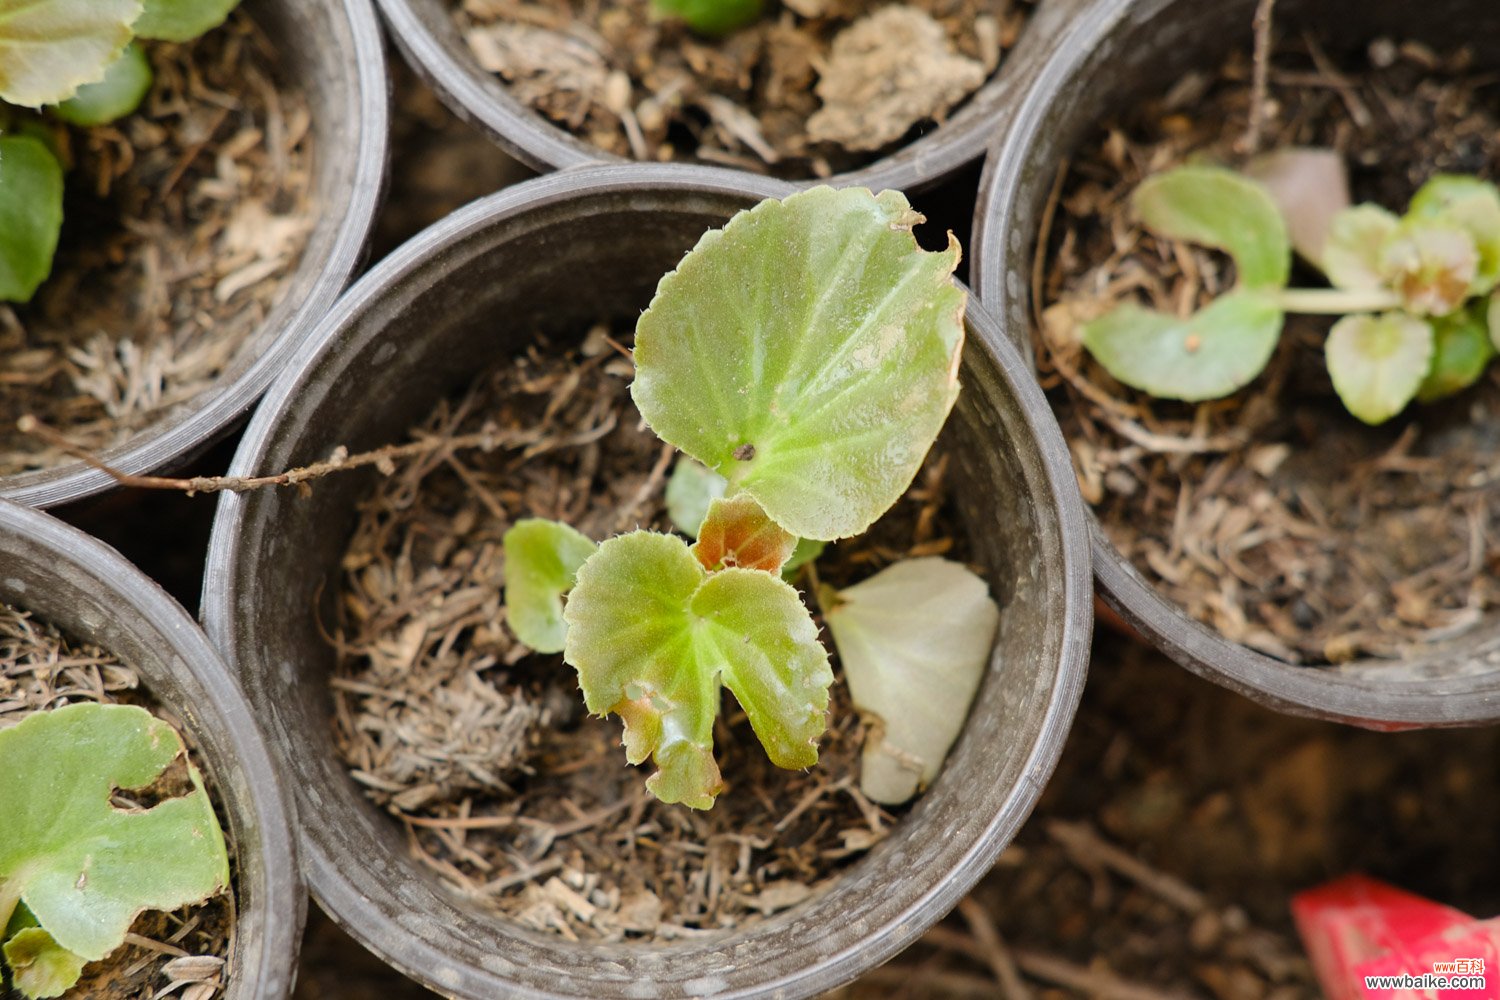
(1310, 187)
(914, 640)
(738, 532)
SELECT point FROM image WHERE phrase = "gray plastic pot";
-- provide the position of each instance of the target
(557, 254)
(1117, 53)
(425, 32)
(332, 49)
(88, 590)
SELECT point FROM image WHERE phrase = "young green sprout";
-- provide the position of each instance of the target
(77, 59)
(803, 358)
(1416, 293)
(711, 17)
(75, 871)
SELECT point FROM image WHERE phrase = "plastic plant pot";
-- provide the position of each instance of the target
(332, 49)
(89, 591)
(558, 254)
(427, 36)
(1116, 53)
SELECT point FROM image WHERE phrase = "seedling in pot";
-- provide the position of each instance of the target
(804, 359)
(77, 61)
(1420, 316)
(75, 870)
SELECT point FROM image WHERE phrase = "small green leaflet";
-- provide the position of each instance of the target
(1217, 350)
(806, 551)
(807, 352)
(711, 17)
(541, 560)
(49, 48)
(1378, 362)
(83, 868)
(182, 20)
(1222, 209)
(653, 636)
(691, 489)
(1356, 240)
(31, 214)
(1461, 352)
(38, 965)
(914, 640)
(124, 86)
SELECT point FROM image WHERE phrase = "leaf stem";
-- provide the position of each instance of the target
(1335, 301)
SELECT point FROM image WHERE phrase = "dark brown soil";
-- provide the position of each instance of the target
(782, 96)
(1275, 516)
(181, 224)
(483, 749)
(182, 954)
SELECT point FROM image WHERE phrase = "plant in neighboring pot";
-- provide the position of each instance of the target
(164, 170)
(1268, 345)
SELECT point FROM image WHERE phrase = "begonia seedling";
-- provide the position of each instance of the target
(803, 358)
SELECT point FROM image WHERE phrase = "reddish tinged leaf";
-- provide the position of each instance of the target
(738, 532)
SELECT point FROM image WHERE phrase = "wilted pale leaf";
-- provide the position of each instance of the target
(182, 20)
(738, 532)
(1461, 352)
(84, 868)
(1378, 362)
(1431, 264)
(541, 560)
(1222, 209)
(39, 966)
(124, 86)
(48, 48)
(914, 640)
(1310, 188)
(692, 487)
(1217, 350)
(1352, 257)
(1474, 206)
(31, 212)
(653, 636)
(807, 352)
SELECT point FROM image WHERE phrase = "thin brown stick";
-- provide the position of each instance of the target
(1086, 846)
(1089, 982)
(996, 955)
(487, 439)
(1260, 75)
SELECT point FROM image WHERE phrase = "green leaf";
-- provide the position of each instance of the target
(31, 215)
(541, 561)
(182, 20)
(84, 868)
(807, 352)
(1356, 242)
(39, 966)
(711, 17)
(806, 551)
(1461, 352)
(49, 48)
(1212, 353)
(1378, 362)
(653, 636)
(1474, 206)
(125, 85)
(738, 532)
(691, 489)
(1431, 264)
(1221, 209)
(914, 640)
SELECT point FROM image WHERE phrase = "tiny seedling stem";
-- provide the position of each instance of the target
(1336, 301)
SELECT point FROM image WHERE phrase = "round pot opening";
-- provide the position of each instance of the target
(435, 44)
(559, 254)
(241, 197)
(1182, 60)
(85, 590)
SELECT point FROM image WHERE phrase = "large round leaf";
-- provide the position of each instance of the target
(1222, 209)
(807, 352)
(48, 48)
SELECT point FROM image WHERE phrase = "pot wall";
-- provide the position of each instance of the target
(558, 254)
(1116, 53)
(89, 591)
(333, 49)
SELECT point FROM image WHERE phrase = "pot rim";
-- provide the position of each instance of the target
(276, 885)
(474, 96)
(1352, 693)
(340, 895)
(363, 136)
